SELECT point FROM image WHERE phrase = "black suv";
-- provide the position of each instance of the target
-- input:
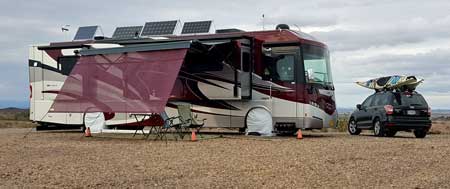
(387, 112)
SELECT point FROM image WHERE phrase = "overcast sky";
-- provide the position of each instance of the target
(367, 39)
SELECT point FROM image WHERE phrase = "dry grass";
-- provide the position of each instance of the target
(16, 124)
(15, 118)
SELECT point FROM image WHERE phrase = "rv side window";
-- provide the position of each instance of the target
(285, 68)
(66, 64)
(279, 68)
(246, 62)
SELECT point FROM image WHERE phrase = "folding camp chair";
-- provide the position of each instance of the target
(140, 123)
(168, 124)
(188, 120)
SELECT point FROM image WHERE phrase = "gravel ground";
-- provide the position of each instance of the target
(66, 159)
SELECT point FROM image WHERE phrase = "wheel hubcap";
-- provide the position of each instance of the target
(377, 128)
(352, 127)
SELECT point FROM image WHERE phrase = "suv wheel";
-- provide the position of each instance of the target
(391, 133)
(352, 128)
(420, 133)
(378, 128)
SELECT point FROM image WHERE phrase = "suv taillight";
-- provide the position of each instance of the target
(429, 111)
(389, 109)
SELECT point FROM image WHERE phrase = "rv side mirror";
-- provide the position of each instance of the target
(267, 51)
(358, 106)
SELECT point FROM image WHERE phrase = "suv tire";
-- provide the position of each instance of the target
(352, 128)
(420, 133)
(378, 128)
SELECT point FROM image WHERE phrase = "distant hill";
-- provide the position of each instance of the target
(13, 109)
(12, 113)
(441, 111)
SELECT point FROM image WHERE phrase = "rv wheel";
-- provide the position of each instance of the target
(94, 120)
(259, 120)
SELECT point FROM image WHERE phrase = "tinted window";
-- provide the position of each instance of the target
(380, 99)
(279, 68)
(246, 62)
(376, 100)
(409, 99)
(386, 98)
(66, 64)
(368, 101)
(285, 68)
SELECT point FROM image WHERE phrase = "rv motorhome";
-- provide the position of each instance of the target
(232, 78)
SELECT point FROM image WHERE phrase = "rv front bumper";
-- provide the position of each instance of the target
(319, 122)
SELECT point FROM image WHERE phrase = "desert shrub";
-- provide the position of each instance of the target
(342, 122)
(15, 115)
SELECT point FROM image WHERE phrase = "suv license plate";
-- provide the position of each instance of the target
(411, 112)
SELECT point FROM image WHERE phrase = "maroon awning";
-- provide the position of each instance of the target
(127, 82)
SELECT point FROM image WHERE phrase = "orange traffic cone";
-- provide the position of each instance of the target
(299, 134)
(87, 132)
(193, 136)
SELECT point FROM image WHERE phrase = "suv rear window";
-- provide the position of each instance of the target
(409, 99)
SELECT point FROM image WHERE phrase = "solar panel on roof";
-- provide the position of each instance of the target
(127, 32)
(86, 32)
(159, 28)
(196, 27)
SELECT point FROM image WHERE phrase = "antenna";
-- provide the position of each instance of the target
(65, 30)
(263, 21)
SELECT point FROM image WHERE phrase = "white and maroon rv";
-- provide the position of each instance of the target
(231, 78)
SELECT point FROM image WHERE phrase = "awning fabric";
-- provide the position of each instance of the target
(122, 80)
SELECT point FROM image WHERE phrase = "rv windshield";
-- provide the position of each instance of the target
(317, 64)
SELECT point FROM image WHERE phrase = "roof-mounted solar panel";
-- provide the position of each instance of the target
(159, 28)
(127, 32)
(86, 32)
(196, 27)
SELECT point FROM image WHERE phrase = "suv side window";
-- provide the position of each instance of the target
(386, 99)
(376, 100)
(380, 99)
(368, 101)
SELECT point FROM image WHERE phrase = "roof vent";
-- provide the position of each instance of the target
(229, 30)
(282, 26)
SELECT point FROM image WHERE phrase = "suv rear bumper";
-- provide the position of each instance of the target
(405, 123)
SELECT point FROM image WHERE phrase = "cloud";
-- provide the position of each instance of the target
(367, 38)
(411, 31)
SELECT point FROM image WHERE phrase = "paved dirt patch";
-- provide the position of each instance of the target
(66, 159)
